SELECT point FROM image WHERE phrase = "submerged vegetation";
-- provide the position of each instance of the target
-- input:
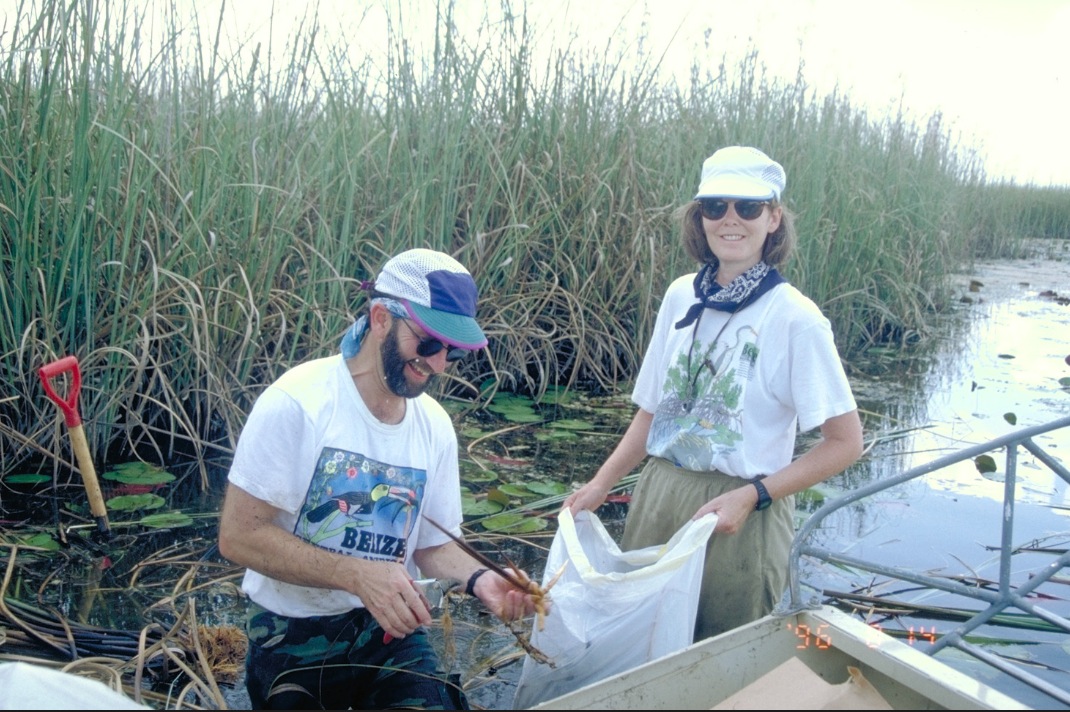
(190, 222)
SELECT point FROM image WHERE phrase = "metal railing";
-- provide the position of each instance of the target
(994, 601)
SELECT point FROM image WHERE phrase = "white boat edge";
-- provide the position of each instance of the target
(826, 639)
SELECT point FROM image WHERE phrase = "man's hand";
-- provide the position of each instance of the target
(504, 599)
(392, 597)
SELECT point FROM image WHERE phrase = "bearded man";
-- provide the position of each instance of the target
(339, 465)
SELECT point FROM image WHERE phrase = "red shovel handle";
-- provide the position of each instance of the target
(70, 405)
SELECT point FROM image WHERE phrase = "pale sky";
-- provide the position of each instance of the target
(995, 69)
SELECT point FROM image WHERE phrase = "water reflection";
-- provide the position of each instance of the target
(1000, 373)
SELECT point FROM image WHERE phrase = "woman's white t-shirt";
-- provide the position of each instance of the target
(734, 400)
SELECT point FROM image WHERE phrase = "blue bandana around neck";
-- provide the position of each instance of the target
(354, 335)
(741, 291)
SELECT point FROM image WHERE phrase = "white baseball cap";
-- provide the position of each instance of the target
(743, 173)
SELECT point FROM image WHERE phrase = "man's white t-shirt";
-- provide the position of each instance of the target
(345, 481)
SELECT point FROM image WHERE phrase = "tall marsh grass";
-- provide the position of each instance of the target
(189, 223)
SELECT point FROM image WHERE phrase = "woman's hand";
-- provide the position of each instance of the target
(732, 509)
(630, 451)
(589, 497)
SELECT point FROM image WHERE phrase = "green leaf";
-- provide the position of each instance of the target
(454, 407)
(133, 502)
(477, 474)
(480, 507)
(43, 540)
(548, 435)
(506, 397)
(985, 464)
(472, 432)
(138, 473)
(547, 488)
(497, 496)
(811, 495)
(516, 412)
(556, 395)
(1065, 381)
(1011, 418)
(516, 490)
(166, 520)
(487, 386)
(572, 424)
(27, 478)
(514, 523)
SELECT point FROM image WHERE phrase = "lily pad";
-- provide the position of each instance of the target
(516, 490)
(572, 424)
(556, 395)
(27, 478)
(166, 520)
(480, 507)
(514, 523)
(134, 502)
(501, 498)
(514, 408)
(516, 413)
(471, 432)
(138, 473)
(547, 488)
(548, 435)
(503, 398)
(811, 496)
(456, 407)
(42, 540)
(985, 464)
(477, 475)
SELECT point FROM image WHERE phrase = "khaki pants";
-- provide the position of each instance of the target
(745, 573)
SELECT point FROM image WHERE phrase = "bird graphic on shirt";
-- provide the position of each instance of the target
(350, 504)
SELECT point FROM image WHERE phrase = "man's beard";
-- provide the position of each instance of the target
(394, 368)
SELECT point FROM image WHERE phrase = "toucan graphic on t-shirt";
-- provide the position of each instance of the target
(352, 504)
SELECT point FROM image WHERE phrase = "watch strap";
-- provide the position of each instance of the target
(764, 500)
(470, 587)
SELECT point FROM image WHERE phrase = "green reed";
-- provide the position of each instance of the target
(189, 221)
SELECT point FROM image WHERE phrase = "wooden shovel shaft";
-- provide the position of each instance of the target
(89, 478)
(69, 406)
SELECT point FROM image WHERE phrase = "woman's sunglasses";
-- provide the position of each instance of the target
(715, 208)
(428, 347)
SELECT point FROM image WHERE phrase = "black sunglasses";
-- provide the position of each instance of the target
(716, 208)
(428, 347)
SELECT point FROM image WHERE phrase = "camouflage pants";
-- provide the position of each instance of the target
(340, 662)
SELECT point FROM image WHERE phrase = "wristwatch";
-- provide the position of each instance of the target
(764, 500)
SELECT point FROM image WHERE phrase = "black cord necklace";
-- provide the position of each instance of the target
(692, 380)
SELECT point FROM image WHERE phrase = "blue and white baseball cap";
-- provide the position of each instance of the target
(742, 173)
(437, 292)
